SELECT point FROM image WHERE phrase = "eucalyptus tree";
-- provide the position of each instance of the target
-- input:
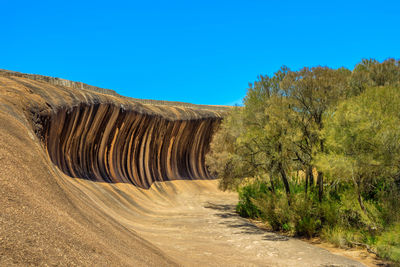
(370, 72)
(312, 92)
(259, 147)
(265, 142)
(222, 159)
(363, 140)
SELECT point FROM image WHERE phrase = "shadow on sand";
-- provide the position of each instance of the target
(233, 220)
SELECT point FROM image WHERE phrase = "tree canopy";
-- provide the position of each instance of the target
(324, 137)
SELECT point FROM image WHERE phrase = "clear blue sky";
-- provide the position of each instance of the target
(202, 52)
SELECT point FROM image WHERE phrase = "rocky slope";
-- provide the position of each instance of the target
(53, 131)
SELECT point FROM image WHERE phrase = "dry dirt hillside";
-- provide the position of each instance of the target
(91, 178)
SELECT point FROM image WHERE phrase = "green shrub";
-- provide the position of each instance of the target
(388, 244)
(307, 219)
(246, 207)
(275, 211)
(338, 219)
(330, 212)
(388, 204)
(341, 237)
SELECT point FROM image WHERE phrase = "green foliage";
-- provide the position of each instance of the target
(274, 209)
(222, 159)
(388, 244)
(362, 135)
(370, 73)
(324, 145)
(308, 219)
(340, 236)
(363, 143)
(338, 218)
(246, 207)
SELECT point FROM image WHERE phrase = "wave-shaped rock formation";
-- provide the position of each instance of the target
(53, 132)
(104, 137)
(105, 142)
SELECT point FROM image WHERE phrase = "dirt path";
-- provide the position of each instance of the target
(196, 225)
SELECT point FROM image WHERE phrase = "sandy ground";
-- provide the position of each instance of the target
(195, 224)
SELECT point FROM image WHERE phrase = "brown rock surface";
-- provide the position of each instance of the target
(45, 220)
(80, 184)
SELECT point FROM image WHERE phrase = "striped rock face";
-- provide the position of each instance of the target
(95, 134)
(104, 142)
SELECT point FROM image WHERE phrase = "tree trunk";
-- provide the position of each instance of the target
(272, 185)
(320, 183)
(309, 179)
(320, 178)
(359, 198)
(285, 182)
(311, 176)
(360, 201)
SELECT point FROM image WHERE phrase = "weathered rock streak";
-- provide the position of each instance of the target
(105, 142)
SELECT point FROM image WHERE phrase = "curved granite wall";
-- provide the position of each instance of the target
(106, 142)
